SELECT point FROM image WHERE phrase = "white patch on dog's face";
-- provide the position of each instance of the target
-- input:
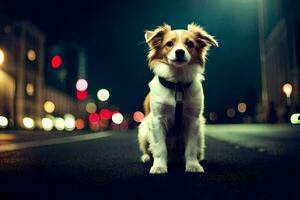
(179, 55)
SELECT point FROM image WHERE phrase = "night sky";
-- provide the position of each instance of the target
(110, 33)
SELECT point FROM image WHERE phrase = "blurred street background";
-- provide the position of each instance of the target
(73, 76)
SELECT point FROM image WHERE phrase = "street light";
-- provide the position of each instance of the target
(287, 90)
(2, 57)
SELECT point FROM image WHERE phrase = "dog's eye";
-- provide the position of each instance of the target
(169, 44)
(189, 44)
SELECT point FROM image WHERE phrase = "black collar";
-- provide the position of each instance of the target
(179, 86)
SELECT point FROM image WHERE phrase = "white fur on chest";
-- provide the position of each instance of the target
(163, 102)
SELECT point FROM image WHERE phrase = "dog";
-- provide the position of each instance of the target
(175, 102)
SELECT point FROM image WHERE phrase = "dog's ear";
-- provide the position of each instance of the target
(155, 37)
(201, 36)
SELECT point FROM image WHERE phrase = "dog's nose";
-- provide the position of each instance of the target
(179, 53)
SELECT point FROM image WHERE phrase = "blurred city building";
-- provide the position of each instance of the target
(22, 83)
(66, 63)
(279, 26)
(23, 92)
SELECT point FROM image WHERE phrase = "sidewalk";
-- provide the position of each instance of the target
(275, 139)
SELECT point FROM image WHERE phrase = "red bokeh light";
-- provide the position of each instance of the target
(105, 113)
(138, 116)
(56, 61)
(93, 118)
(103, 123)
(82, 95)
(124, 126)
(114, 126)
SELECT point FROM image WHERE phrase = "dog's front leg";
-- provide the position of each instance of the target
(191, 148)
(158, 146)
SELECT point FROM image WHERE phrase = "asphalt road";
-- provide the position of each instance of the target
(108, 167)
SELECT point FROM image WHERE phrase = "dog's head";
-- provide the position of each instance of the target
(177, 50)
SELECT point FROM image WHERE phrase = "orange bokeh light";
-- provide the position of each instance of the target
(80, 124)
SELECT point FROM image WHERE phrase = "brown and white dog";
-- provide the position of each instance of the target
(175, 57)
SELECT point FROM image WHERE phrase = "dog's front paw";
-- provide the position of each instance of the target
(194, 167)
(158, 169)
(145, 158)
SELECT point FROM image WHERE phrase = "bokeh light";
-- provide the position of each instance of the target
(31, 55)
(230, 112)
(56, 61)
(28, 123)
(103, 94)
(29, 89)
(114, 126)
(49, 107)
(138, 116)
(295, 118)
(93, 117)
(69, 122)
(213, 116)
(2, 57)
(124, 126)
(91, 107)
(59, 124)
(94, 126)
(47, 124)
(81, 85)
(103, 124)
(242, 107)
(80, 124)
(105, 113)
(3, 122)
(117, 118)
(82, 95)
(287, 89)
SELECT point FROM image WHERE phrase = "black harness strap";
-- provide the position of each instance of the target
(179, 89)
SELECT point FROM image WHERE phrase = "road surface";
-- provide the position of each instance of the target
(106, 166)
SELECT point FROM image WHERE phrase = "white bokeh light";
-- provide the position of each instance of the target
(3, 121)
(103, 95)
(117, 118)
(28, 123)
(81, 85)
(59, 124)
(47, 124)
(69, 122)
